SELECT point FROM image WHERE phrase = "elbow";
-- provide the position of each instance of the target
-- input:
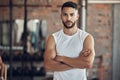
(47, 67)
(89, 65)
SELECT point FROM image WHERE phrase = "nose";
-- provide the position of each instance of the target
(68, 17)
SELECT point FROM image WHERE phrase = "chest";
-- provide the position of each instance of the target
(70, 47)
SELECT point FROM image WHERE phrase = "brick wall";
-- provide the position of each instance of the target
(37, 9)
(99, 22)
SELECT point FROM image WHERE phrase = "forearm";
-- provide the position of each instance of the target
(82, 61)
(53, 65)
(76, 62)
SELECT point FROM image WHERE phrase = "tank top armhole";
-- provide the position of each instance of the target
(54, 37)
(83, 36)
(86, 34)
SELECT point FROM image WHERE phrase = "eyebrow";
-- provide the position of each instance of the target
(69, 13)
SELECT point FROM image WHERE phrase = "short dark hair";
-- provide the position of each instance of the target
(69, 4)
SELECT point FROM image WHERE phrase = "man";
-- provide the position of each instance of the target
(69, 51)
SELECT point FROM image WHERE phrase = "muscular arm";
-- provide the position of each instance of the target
(81, 61)
(50, 63)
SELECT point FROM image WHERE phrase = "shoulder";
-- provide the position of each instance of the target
(89, 40)
(50, 38)
(82, 31)
(53, 37)
(57, 35)
(83, 34)
(89, 36)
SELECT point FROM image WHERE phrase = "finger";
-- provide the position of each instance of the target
(86, 54)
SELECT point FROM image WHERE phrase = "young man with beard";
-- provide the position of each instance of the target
(70, 51)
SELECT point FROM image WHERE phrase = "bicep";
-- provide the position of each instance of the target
(89, 44)
(50, 52)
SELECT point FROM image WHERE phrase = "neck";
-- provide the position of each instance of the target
(70, 31)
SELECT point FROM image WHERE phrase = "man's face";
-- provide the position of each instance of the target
(69, 17)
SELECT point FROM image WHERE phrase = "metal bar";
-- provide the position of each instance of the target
(104, 1)
(25, 35)
(80, 14)
(28, 5)
(116, 43)
(6, 21)
(13, 48)
(10, 37)
(84, 15)
(25, 26)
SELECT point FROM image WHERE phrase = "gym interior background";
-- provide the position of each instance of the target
(41, 18)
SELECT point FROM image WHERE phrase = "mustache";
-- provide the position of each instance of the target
(68, 21)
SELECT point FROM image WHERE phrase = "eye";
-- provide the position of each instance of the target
(72, 14)
(64, 14)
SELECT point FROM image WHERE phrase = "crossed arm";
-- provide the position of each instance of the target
(50, 63)
(85, 59)
(53, 62)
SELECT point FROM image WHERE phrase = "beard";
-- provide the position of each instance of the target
(68, 27)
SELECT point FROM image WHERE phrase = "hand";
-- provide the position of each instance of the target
(85, 53)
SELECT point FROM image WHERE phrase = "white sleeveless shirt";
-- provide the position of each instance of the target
(70, 46)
